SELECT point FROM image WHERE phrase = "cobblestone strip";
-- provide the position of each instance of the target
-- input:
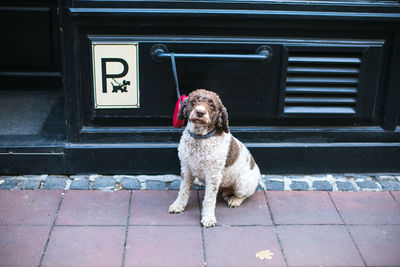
(332, 182)
(326, 182)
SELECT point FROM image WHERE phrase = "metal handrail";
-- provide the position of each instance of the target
(160, 52)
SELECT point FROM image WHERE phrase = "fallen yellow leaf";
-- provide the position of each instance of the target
(264, 254)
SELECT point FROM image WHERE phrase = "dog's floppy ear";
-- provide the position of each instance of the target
(182, 114)
(223, 122)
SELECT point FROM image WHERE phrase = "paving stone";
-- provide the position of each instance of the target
(155, 185)
(338, 176)
(8, 183)
(274, 185)
(312, 207)
(253, 211)
(259, 188)
(389, 185)
(386, 178)
(29, 184)
(104, 182)
(164, 246)
(35, 177)
(238, 246)
(360, 176)
(345, 186)
(299, 186)
(322, 186)
(80, 183)
(55, 183)
(130, 183)
(80, 176)
(26, 207)
(379, 244)
(22, 245)
(151, 208)
(396, 195)
(367, 185)
(318, 245)
(367, 207)
(273, 177)
(198, 187)
(319, 176)
(94, 208)
(175, 185)
(163, 178)
(295, 176)
(85, 246)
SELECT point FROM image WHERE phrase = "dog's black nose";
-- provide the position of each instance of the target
(199, 114)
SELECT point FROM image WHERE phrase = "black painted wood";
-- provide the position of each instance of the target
(29, 50)
(359, 28)
(247, 87)
(142, 141)
(392, 93)
(147, 158)
(271, 157)
(32, 163)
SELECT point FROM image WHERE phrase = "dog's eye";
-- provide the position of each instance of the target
(211, 104)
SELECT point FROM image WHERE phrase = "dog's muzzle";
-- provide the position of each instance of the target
(199, 115)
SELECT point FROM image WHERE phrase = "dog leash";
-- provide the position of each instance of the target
(174, 73)
(177, 123)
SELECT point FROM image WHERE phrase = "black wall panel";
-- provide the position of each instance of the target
(27, 40)
(29, 47)
(355, 133)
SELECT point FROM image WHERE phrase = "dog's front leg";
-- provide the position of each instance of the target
(180, 203)
(208, 218)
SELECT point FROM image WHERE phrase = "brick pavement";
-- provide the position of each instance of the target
(133, 228)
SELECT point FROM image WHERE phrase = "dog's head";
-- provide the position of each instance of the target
(205, 108)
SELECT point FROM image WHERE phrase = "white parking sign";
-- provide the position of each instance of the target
(115, 75)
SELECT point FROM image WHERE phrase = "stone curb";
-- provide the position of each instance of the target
(328, 182)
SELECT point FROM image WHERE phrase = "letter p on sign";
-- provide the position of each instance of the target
(115, 75)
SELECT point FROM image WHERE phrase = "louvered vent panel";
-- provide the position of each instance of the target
(322, 83)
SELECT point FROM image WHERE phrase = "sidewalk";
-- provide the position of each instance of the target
(133, 228)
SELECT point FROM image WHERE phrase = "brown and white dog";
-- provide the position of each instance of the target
(208, 151)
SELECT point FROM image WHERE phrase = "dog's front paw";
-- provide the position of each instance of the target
(209, 221)
(234, 202)
(176, 208)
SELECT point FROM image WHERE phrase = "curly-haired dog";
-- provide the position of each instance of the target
(208, 151)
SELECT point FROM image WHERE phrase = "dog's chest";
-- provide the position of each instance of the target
(203, 155)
